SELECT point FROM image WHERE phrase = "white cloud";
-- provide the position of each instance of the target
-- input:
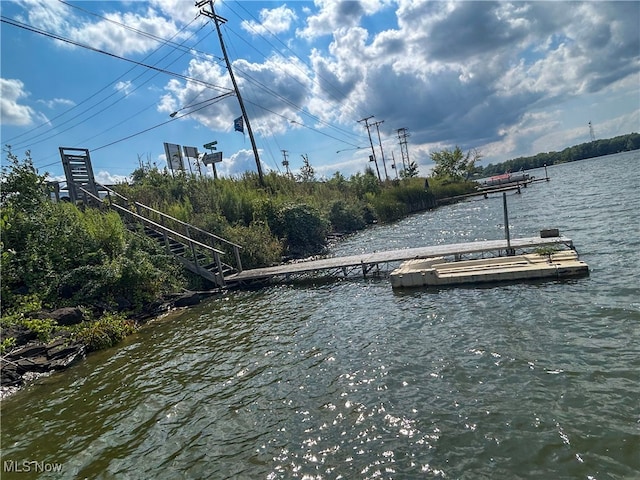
(105, 178)
(11, 112)
(114, 38)
(276, 20)
(272, 92)
(54, 102)
(124, 86)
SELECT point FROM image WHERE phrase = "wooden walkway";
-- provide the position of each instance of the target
(366, 261)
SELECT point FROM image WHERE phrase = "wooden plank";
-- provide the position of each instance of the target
(394, 256)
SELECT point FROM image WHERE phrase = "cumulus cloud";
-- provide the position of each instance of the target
(11, 111)
(110, 35)
(240, 162)
(273, 91)
(468, 72)
(276, 20)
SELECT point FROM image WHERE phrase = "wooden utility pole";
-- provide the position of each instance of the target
(217, 19)
(373, 152)
(285, 163)
(384, 164)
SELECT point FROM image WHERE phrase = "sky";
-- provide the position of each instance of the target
(508, 79)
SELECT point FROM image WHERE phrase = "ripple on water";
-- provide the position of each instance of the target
(353, 380)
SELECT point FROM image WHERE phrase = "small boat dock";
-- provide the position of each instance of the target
(365, 263)
(435, 272)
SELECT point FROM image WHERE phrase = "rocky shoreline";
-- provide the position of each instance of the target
(31, 358)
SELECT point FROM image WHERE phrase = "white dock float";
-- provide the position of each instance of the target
(437, 272)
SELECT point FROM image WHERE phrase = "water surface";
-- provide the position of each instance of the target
(350, 379)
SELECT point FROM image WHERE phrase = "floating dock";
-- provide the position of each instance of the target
(437, 272)
(366, 262)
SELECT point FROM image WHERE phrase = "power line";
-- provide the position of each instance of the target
(24, 26)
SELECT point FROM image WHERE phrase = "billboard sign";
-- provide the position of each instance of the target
(174, 156)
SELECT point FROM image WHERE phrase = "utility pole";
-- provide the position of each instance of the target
(393, 165)
(404, 151)
(217, 19)
(373, 152)
(285, 162)
(384, 164)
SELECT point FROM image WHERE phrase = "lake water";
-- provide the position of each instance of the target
(351, 380)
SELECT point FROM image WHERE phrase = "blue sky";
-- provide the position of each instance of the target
(509, 79)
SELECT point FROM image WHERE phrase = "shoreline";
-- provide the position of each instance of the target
(32, 358)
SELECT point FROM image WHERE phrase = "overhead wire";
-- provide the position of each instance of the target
(186, 78)
(304, 61)
(10, 140)
(304, 112)
(18, 24)
(32, 141)
(152, 67)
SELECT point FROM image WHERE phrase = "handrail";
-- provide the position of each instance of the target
(216, 237)
(162, 214)
(162, 228)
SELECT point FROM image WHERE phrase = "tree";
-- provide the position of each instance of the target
(411, 171)
(307, 174)
(454, 165)
(21, 186)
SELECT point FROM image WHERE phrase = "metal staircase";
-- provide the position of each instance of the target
(199, 251)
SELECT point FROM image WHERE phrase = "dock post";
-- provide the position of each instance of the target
(546, 176)
(510, 251)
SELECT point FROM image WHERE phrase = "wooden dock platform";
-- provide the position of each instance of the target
(342, 266)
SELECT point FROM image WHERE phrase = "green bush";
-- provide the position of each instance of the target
(105, 332)
(346, 218)
(388, 208)
(303, 229)
(43, 328)
(259, 246)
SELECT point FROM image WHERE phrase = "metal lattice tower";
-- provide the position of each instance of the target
(591, 134)
(403, 134)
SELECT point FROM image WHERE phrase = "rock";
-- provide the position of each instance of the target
(187, 300)
(37, 358)
(21, 333)
(65, 316)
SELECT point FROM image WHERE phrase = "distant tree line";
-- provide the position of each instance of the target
(597, 148)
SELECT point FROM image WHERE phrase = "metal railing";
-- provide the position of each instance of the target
(195, 246)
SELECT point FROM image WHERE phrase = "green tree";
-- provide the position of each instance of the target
(21, 186)
(411, 171)
(307, 174)
(454, 164)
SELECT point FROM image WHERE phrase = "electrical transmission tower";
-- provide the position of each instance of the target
(591, 134)
(403, 134)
